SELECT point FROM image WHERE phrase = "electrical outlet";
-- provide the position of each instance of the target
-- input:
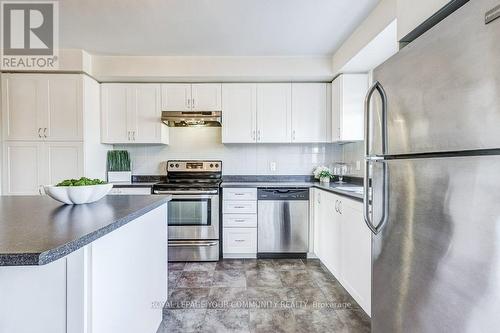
(358, 165)
(272, 166)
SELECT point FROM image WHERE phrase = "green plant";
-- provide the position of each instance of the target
(118, 160)
(81, 182)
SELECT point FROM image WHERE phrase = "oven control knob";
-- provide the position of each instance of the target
(216, 165)
(171, 165)
(211, 165)
(177, 165)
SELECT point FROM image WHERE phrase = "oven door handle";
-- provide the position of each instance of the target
(191, 243)
(185, 192)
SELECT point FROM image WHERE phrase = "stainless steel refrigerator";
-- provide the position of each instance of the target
(432, 182)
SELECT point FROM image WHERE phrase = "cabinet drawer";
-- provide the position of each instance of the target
(240, 220)
(240, 207)
(240, 194)
(240, 240)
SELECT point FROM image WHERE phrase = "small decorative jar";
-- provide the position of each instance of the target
(324, 180)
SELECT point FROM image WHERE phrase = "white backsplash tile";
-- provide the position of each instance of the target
(237, 159)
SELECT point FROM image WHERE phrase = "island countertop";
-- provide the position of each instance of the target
(36, 230)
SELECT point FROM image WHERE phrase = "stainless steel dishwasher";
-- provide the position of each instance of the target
(283, 222)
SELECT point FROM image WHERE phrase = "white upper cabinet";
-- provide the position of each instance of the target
(191, 97)
(176, 97)
(274, 112)
(206, 97)
(64, 119)
(114, 111)
(239, 112)
(348, 96)
(145, 114)
(42, 107)
(131, 113)
(310, 112)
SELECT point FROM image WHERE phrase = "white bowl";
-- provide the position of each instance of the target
(77, 194)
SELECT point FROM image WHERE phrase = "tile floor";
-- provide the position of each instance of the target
(286, 295)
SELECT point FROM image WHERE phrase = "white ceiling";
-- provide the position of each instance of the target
(210, 27)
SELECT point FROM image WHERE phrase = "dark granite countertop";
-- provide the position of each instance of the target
(36, 230)
(331, 187)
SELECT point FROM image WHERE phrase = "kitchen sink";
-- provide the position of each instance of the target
(356, 189)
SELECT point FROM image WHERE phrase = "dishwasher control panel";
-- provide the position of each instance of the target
(283, 194)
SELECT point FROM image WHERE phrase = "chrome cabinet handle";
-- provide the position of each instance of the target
(133, 135)
(376, 86)
(193, 103)
(293, 135)
(128, 135)
(340, 207)
(239, 220)
(39, 134)
(367, 208)
(253, 135)
(337, 206)
(258, 135)
(188, 102)
(45, 132)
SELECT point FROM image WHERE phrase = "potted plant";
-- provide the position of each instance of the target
(119, 166)
(323, 173)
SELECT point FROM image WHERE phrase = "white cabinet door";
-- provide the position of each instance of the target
(239, 240)
(64, 160)
(239, 112)
(145, 118)
(274, 112)
(206, 97)
(24, 100)
(309, 112)
(330, 237)
(176, 97)
(356, 253)
(114, 113)
(348, 96)
(23, 168)
(64, 117)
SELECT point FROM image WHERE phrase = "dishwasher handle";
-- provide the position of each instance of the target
(283, 194)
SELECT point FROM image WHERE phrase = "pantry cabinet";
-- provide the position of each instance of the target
(131, 113)
(191, 97)
(348, 97)
(42, 107)
(51, 128)
(343, 243)
(27, 166)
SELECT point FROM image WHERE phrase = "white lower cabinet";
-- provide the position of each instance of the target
(240, 240)
(27, 166)
(343, 243)
(239, 235)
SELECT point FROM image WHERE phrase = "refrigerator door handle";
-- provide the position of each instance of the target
(367, 210)
(378, 87)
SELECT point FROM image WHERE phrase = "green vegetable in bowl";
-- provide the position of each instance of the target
(81, 182)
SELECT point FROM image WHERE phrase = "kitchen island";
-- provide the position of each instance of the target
(99, 267)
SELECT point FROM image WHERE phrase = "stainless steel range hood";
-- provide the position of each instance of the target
(192, 119)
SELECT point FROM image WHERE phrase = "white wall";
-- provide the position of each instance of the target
(412, 13)
(381, 16)
(237, 159)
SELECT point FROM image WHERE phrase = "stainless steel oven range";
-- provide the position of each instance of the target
(193, 212)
